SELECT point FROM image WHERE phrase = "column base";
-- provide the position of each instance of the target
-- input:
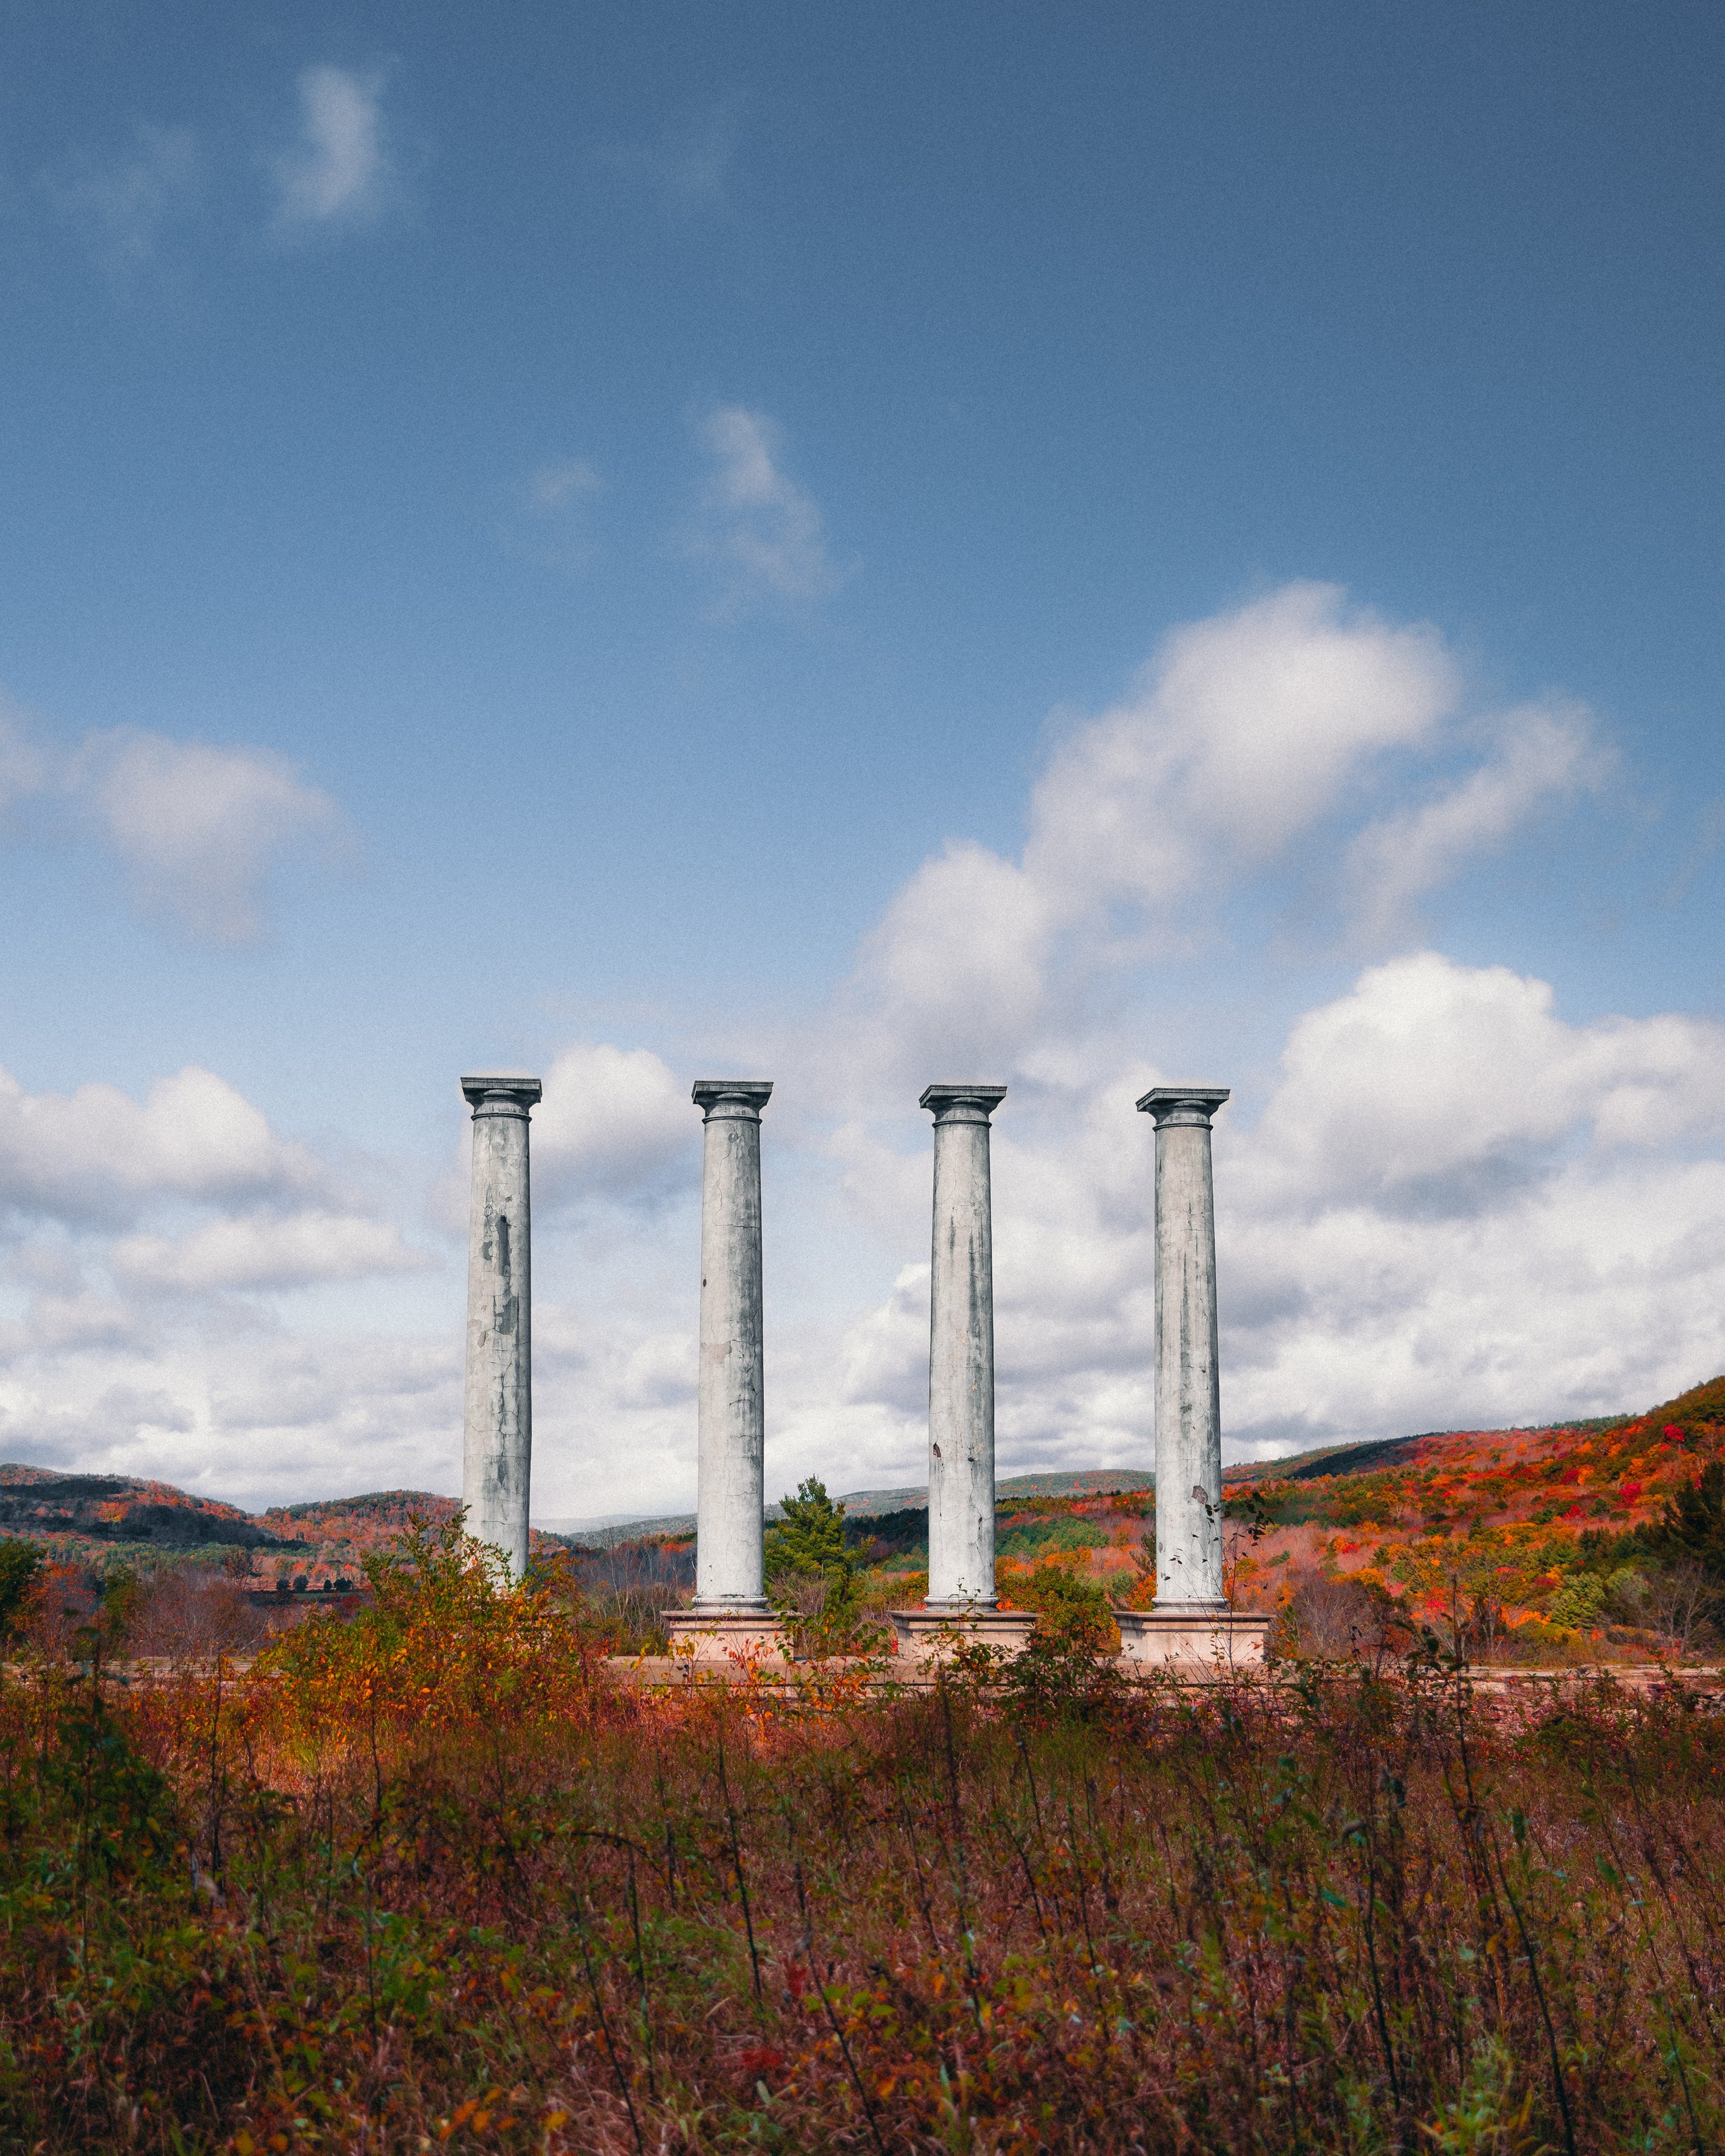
(718, 1635)
(931, 1634)
(1191, 1638)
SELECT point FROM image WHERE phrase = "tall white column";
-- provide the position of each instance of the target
(1188, 1421)
(961, 1352)
(498, 1450)
(731, 1403)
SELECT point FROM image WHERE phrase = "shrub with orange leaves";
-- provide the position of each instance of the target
(448, 1638)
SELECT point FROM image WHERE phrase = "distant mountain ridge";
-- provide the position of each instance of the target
(867, 1504)
(106, 1517)
(111, 1510)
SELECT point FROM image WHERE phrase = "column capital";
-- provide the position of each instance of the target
(1177, 1105)
(954, 1101)
(731, 1100)
(501, 1092)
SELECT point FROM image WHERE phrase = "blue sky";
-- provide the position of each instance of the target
(1052, 545)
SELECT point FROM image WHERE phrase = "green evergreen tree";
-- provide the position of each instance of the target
(808, 1563)
(1694, 1522)
(20, 1562)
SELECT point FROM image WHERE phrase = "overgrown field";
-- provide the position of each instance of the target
(432, 1879)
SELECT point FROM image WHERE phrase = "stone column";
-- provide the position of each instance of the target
(498, 1450)
(1191, 1621)
(1188, 1410)
(961, 1352)
(730, 1613)
(961, 1385)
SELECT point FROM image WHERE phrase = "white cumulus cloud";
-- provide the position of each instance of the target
(1454, 1208)
(960, 962)
(264, 1249)
(1442, 1198)
(1457, 1207)
(1278, 726)
(97, 1154)
(259, 1418)
(1244, 730)
(614, 1124)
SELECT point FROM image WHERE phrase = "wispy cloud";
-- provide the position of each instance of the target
(687, 164)
(119, 203)
(545, 518)
(756, 525)
(1546, 755)
(338, 172)
(561, 483)
(25, 764)
(201, 830)
(1709, 837)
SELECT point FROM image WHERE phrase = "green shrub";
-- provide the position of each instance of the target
(1072, 1610)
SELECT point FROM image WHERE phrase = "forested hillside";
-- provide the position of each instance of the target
(1603, 1538)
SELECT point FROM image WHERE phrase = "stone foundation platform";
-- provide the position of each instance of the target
(698, 1636)
(929, 1636)
(1187, 1641)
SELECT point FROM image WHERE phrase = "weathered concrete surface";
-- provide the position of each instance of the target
(961, 1352)
(1189, 1422)
(498, 1437)
(1169, 1638)
(929, 1636)
(728, 1636)
(731, 1411)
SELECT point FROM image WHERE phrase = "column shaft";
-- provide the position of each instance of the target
(961, 1351)
(731, 1401)
(1188, 1424)
(498, 1435)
